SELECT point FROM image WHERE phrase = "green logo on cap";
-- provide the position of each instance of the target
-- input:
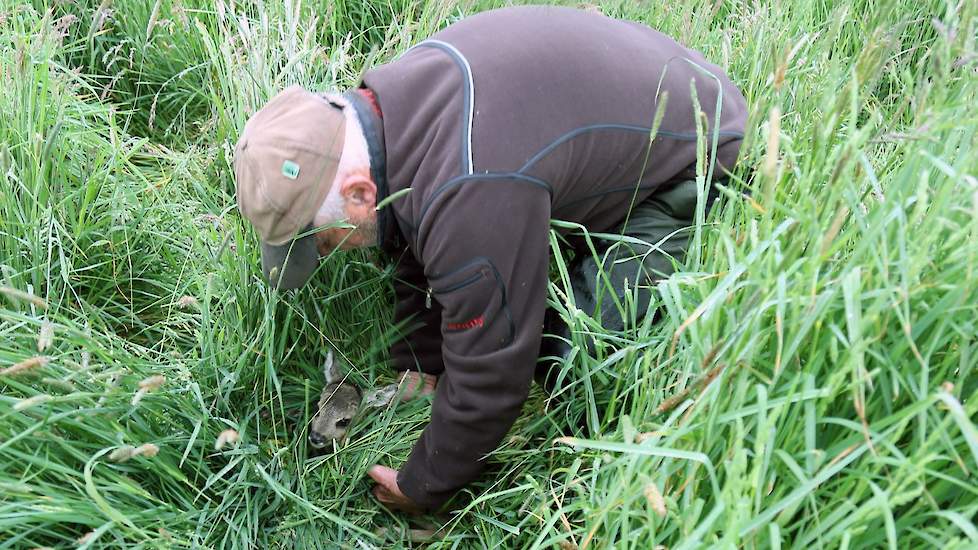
(290, 169)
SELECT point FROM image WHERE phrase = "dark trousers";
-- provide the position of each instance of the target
(653, 237)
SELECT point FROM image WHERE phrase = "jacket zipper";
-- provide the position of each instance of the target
(457, 286)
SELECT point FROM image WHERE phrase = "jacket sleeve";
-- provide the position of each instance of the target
(485, 248)
(418, 319)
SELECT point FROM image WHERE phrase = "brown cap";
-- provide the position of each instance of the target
(284, 165)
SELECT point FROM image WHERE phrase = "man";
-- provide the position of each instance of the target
(478, 137)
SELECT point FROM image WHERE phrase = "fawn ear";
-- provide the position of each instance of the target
(380, 397)
(331, 369)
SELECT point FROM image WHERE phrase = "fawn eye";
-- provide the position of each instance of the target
(343, 422)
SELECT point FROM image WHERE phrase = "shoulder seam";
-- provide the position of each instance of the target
(567, 136)
(459, 180)
(468, 98)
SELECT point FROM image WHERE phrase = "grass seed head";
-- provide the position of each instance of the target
(773, 143)
(45, 337)
(227, 437)
(126, 452)
(147, 385)
(21, 296)
(655, 499)
(644, 436)
(152, 383)
(186, 301)
(123, 453)
(31, 402)
(148, 450)
(25, 365)
(65, 385)
(137, 397)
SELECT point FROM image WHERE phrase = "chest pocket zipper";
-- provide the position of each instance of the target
(452, 288)
(481, 306)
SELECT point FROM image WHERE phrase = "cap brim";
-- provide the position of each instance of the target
(289, 265)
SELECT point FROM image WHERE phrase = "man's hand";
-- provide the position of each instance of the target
(388, 493)
(416, 384)
(411, 385)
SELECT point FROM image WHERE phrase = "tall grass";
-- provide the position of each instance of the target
(810, 381)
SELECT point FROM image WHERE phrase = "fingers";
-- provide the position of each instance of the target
(430, 383)
(387, 477)
(382, 494)
(409, 385)
(394, 502)
(387, 491)
(417, 384)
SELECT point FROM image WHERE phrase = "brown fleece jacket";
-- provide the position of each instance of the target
(497, 124)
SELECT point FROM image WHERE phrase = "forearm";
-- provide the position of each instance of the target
(473, 410)
(492, 287)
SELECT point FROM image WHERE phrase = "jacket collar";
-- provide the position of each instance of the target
(373, 131)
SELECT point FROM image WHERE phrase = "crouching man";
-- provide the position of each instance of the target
(482, 134)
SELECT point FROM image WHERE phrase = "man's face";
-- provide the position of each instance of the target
(359, 199)
(334, 238)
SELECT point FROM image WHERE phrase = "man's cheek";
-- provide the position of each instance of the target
(322, 243)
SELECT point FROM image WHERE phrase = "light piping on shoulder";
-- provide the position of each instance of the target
(468, 106)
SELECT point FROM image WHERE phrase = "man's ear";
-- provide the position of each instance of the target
(359, 190)
(331, 369)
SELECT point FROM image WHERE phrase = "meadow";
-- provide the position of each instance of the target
(810, 383)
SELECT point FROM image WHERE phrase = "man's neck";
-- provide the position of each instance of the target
(356, 142)
(372, 129)
(371, 98)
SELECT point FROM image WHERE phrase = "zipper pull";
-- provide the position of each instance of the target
(427, 298)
